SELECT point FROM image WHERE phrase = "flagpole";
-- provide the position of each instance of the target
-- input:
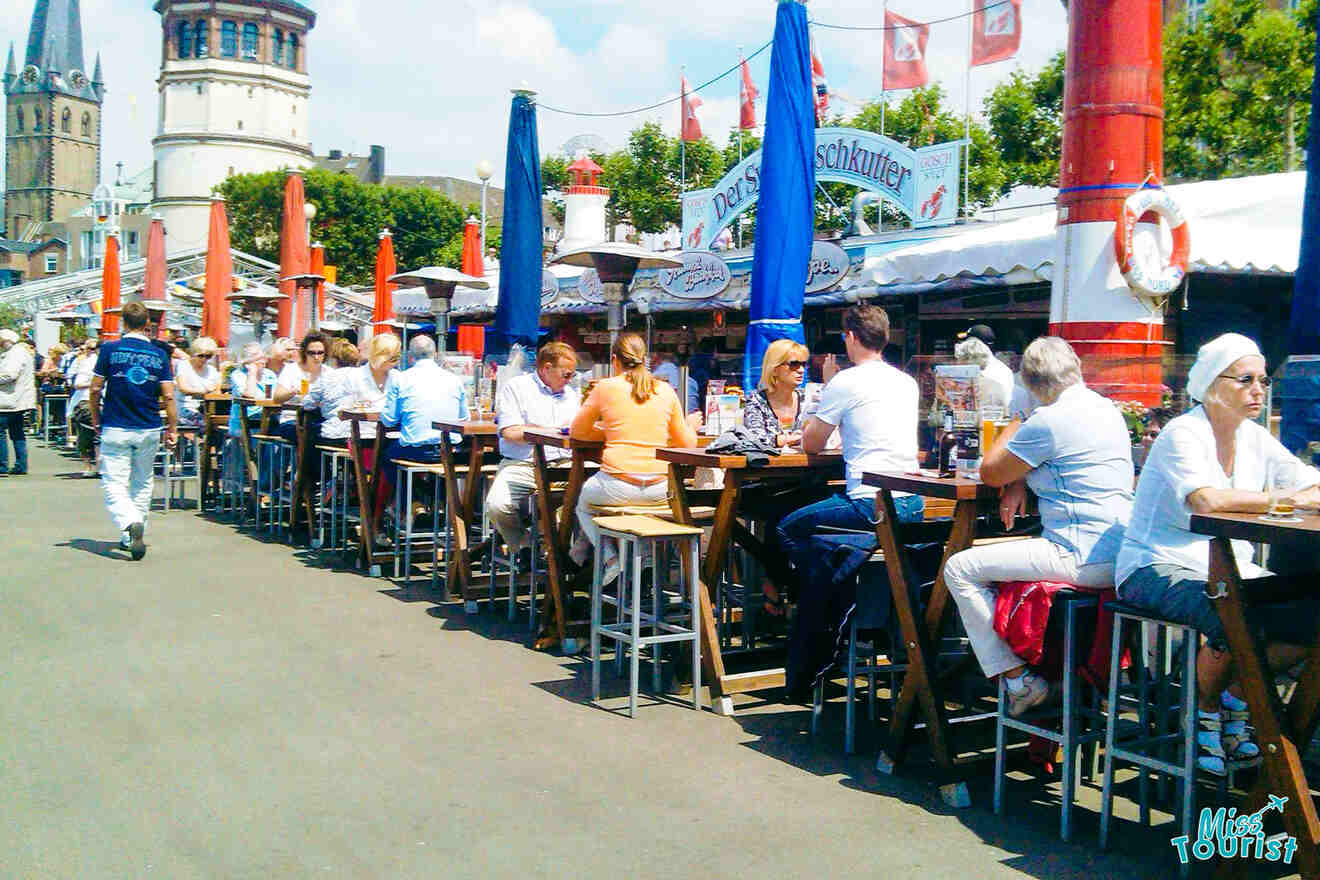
(967, 125)
(682, 136)
(884, 7)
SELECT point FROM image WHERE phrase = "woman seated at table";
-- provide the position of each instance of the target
(294, 380)
(194, 378)
(635, 415)
(80, 375)
(250, 378)
(1075, 454)
(1217, 459)
(351, 384)
(774, 411)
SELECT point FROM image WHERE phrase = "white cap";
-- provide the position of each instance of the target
(1214, 357)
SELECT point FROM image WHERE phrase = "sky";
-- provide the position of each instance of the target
(429, 79)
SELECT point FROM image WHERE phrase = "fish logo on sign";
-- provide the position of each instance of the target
(906, 47)
(1000, 24)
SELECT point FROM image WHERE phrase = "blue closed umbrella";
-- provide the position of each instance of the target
(785, 216)
(518, 310)
(1301, 392)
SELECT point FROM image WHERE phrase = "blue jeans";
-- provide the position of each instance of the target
(11, 423)
(838, 512)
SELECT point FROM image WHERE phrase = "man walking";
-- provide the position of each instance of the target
(132, 377)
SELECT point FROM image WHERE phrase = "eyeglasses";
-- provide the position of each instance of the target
(796, 365)
(1245, 381)
(206, 355)
(316, 352)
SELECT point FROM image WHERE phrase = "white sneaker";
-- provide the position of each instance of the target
(610, 574)
(1210, 755)
(1035, 690)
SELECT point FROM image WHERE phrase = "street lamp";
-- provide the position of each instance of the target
(309, 211)
(484, 171)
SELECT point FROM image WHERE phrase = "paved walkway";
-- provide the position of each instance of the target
(223, 710)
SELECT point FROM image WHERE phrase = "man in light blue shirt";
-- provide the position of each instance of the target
(414, 398)
(532, 400)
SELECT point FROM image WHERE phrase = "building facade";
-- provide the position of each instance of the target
(22, 261)
(52, 121)
(233, 99)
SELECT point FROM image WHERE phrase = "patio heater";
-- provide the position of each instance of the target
(253, 304)
(440, 282)
(312, 284)
(616, 263)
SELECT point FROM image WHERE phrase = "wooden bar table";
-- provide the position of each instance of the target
(556, 628)
(1281, 729)
(367, 480)
(460, 506)
(790, 468)
(921, 636)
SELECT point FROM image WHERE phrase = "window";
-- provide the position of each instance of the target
(1195, 11)
(200, 36)
(133, 245)
(18, 119)
(52, 264)
(293, 52)
(240, 125)
(87, 125)
(229, 40)
(66, 121)
(185, 39)
(277, 47)
(86, 249)
(250, 39)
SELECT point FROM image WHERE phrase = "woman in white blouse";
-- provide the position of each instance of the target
(1216, 459)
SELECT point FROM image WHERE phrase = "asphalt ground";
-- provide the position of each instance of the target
(226, 709)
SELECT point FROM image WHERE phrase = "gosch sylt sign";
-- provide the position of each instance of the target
(702, 276)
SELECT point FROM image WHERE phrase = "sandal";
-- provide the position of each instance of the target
(1210, 755)
(1236, 737)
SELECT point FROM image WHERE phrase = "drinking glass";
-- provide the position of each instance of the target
(1280, 482)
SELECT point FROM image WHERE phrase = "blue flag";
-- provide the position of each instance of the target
(786, 213)
(518, 311)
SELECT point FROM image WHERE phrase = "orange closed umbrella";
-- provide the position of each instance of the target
(293, 258)
(385, 267)
(153, 282)
(472, 248)
(219, 276)
(110, 288)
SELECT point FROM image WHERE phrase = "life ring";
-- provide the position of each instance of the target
(1151, 280)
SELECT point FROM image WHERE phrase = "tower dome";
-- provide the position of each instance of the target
(233, 100)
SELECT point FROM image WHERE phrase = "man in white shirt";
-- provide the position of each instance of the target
(874, 407)
(532, 400)
(994, 371)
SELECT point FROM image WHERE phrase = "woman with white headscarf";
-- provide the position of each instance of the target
(1216, 459)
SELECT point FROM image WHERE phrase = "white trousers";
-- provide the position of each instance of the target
(604, 490)
(128, 459)
(973, 577)
(506, 502)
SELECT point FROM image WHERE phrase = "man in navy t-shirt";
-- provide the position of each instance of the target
(131, 378)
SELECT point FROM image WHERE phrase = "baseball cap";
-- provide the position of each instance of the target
(981, 332)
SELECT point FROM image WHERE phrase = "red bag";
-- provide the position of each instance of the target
(1022, 613)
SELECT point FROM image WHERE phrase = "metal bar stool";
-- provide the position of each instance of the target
(634, 535)
(1148, 747)
(405, 535)
(176, 468)
(1070, 713)
(334, 466)
(275, 474)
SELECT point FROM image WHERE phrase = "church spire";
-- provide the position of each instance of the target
(11, 73)
(55, 36)
(98, 84)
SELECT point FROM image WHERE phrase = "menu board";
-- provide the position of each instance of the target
(955, 392)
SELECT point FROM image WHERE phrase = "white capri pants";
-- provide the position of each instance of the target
(973, 577)
(603, 489)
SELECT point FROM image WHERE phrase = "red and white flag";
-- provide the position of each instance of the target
(690, 130)
(747, 95)
(905, 52)
(822, 89)
(996, 31)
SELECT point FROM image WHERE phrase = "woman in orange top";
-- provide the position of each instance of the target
(635, 415)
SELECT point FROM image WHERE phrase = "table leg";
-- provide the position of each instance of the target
(471, 488)
(919, 682)
(1284, 775)
(456, 518)
(717, 554)
(366, 502)
(552, 611)
(246, 438)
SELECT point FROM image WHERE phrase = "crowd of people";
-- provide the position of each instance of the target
(1102, 526)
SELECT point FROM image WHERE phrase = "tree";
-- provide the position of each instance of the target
(1236, 87)
(427, 226)
(1025, 114)
(11, 317)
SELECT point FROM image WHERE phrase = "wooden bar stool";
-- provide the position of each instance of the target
(635, 537)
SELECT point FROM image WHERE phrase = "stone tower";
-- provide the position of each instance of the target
(52, 121)
(233, 100)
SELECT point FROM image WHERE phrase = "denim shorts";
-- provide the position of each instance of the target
(1179, 594)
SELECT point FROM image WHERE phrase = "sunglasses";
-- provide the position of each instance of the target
(1246, 380)
(796, 365)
